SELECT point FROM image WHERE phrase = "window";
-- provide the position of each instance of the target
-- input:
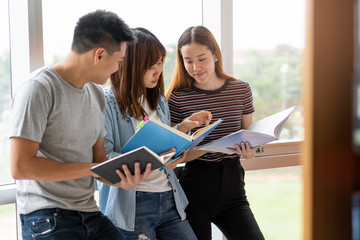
(5, 95)
(269, 38)
(275, 197)
(268, 46)
(161, 17)
(8, 221)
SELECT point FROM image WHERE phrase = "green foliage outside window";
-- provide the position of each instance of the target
(275, 77)
(5, 99)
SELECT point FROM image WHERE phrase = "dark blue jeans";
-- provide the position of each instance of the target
(63, 224)
(157, 218)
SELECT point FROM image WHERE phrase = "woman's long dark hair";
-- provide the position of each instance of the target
(128, 81)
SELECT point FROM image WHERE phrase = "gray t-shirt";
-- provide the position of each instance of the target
(67, 122)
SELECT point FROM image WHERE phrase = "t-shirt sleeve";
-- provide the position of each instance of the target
(30, 109)
(103, 131)
(97, 94)
(175, 109)
(248, 100)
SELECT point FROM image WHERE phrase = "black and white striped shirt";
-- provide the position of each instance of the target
(230, 102)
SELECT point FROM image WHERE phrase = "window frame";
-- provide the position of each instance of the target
(25, 17)
(218, 17)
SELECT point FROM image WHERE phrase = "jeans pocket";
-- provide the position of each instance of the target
(39, 226)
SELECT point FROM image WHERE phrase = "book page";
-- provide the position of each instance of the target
(200, 131)
(220, 145)
(167, 157)
(272, 125)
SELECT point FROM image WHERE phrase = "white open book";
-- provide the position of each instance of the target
(260, 132)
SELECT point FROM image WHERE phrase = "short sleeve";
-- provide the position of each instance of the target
(248, 100)
(175, 109)
(30, 109)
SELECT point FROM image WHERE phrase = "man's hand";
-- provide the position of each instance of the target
(128, 181)
(195, 120)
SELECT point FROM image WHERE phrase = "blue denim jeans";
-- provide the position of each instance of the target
(157, 218)
(63, 224)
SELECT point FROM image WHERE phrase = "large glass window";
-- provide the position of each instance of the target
(275, 197)
(7, 212)
(269, 38)
(5, 95)
(8, 222)
(163, 18)
(268, 48)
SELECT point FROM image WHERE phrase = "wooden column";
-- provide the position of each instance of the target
(331, 170)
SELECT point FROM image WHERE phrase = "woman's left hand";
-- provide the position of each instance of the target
(174, 164)
(244, 150)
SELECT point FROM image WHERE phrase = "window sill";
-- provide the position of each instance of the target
(275, 155)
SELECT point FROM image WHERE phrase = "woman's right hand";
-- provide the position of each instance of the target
(195, 120)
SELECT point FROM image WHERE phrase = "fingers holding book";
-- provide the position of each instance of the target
(128, 180)
(172, 164)
(244, 150)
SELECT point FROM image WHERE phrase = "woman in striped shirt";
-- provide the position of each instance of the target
(213, 182)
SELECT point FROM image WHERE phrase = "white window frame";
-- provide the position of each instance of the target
(26, 49)
(218, 18)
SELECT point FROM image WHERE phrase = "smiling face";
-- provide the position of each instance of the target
(199, 62)
(152, 75)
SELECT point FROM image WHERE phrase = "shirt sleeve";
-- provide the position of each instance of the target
(30, 109)
(110, 128)
(175, 109)
(248, 100)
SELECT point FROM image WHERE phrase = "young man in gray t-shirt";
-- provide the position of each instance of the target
(58, 134)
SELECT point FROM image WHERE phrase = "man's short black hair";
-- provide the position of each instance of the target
(100, 29)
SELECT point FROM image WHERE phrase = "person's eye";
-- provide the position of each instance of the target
(202, 59)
